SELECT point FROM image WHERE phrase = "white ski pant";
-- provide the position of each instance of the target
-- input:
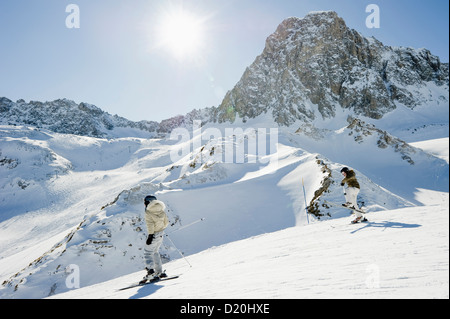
(351, 195)
(151, 253)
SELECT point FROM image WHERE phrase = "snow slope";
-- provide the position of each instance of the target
(72, 200)
(400, 253)
(437, 147)
(102, 228)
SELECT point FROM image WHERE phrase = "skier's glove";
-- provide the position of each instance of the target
(149, 239)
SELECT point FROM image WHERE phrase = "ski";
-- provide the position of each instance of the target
(341, 206)
(365, 220)
(149, 282)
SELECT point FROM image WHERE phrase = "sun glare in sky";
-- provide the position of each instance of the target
(181, 33)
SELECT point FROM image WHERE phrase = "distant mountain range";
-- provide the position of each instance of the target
(66, 116)
(310, 68)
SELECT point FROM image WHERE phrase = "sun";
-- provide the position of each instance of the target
(181, 34)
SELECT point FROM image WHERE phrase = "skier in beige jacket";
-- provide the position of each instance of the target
(156, 221)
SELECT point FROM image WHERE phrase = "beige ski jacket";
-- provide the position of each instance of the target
(155, 217)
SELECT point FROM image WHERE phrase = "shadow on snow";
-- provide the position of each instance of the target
(386, 224)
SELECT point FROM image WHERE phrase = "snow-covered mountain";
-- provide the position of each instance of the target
(76, 201)
(314, 66)
(65, 116)
(311, 68)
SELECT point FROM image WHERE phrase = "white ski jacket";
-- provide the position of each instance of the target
(155, 217)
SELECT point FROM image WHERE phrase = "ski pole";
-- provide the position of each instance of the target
(306, 204)
(178, 251)
(188, 225)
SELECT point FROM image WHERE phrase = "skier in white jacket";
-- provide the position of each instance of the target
(156, 221)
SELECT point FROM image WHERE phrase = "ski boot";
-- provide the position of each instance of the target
(360, 219)
(162, 275)
(151, 276)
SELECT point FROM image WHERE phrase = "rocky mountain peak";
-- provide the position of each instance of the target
(313, 65)
(326, 24)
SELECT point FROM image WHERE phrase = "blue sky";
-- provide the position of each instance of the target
(115, 60)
